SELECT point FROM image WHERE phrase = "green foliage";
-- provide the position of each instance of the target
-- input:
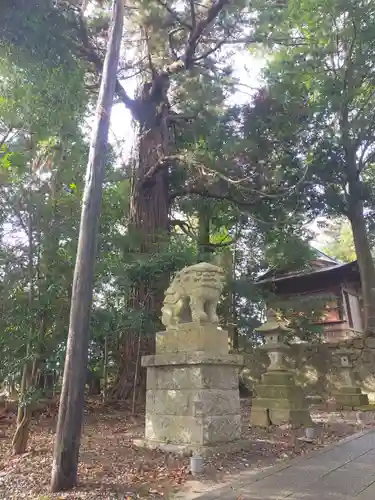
(339, 241)
(303, 314)
(320, 85)
(234, 168)
(40, 32)
(40, 100)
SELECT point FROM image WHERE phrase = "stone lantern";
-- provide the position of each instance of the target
(278, 399)
(274, 334)
(347, 394)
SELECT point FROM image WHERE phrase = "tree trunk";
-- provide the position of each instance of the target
(204, 222)
(105, 369)
(70, 419)
(149, 221)
(24, 414)
(21, 436)
(365, 262)
(150, 200)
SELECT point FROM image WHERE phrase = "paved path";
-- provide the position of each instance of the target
(340, 472)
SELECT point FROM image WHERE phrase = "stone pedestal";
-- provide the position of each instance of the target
(347, 394)
(192, 399)
(279, 400)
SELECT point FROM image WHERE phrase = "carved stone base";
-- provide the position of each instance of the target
(190, 449)
(192, 337)
(192, 401)
(279, 400)
(350, 398)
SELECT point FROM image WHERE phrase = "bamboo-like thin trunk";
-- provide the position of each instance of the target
(136, 373)
(204, 223)
(105, 369)
(20, 438)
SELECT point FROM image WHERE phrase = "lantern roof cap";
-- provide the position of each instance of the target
(273, 324)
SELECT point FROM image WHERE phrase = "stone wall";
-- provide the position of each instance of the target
(316, 367)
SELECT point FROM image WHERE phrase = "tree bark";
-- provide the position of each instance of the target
(149, 227)
(105, 369)
(70, 419)
(204, 222)
(150, 202)
(21, 436)
(364, 259)
(24, 413)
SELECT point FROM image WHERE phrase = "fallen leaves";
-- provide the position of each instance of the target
(112, 468)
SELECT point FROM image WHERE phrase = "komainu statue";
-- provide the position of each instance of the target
(193, 295)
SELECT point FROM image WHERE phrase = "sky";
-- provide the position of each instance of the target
(247, 68)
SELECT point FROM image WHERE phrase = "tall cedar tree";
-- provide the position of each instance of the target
(174, 47)
(176, 39)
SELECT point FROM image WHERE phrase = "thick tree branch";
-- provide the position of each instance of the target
(174, 54)
(176, 117)
(5, 136)
(201, 26)
(174, 14)
(206, 193)
(89, 53)
(183, 225)
(193, 15)
(162, 163)
(296, 42)
(216, 47)
(187, 60)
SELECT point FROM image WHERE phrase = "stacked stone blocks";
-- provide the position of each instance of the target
(192, 398)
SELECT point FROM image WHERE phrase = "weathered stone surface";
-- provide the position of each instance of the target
(277, 391)
(173, 429)
(193, 295)
(174, 377)
(279, 400)
(192, 337)
(278, 378)
(263, 417)
(350, 397)
(315, 369)
(207, 430)
(260, 417)
(192, 399)
(188, 449)
(356, 343)
(221, 376)
(193, 402)
(349, 400)
(192, 377)
(367, 356)
(221, 429)
(279, 404)
(192, 358)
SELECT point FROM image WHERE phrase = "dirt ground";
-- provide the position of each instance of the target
(112, 468)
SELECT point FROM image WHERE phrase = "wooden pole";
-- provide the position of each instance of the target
(70, 419)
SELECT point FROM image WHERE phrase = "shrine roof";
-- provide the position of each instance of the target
(322, 264)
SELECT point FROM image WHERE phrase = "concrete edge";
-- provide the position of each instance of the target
(260, 474)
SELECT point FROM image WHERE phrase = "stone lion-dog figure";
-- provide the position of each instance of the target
(193, 295)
